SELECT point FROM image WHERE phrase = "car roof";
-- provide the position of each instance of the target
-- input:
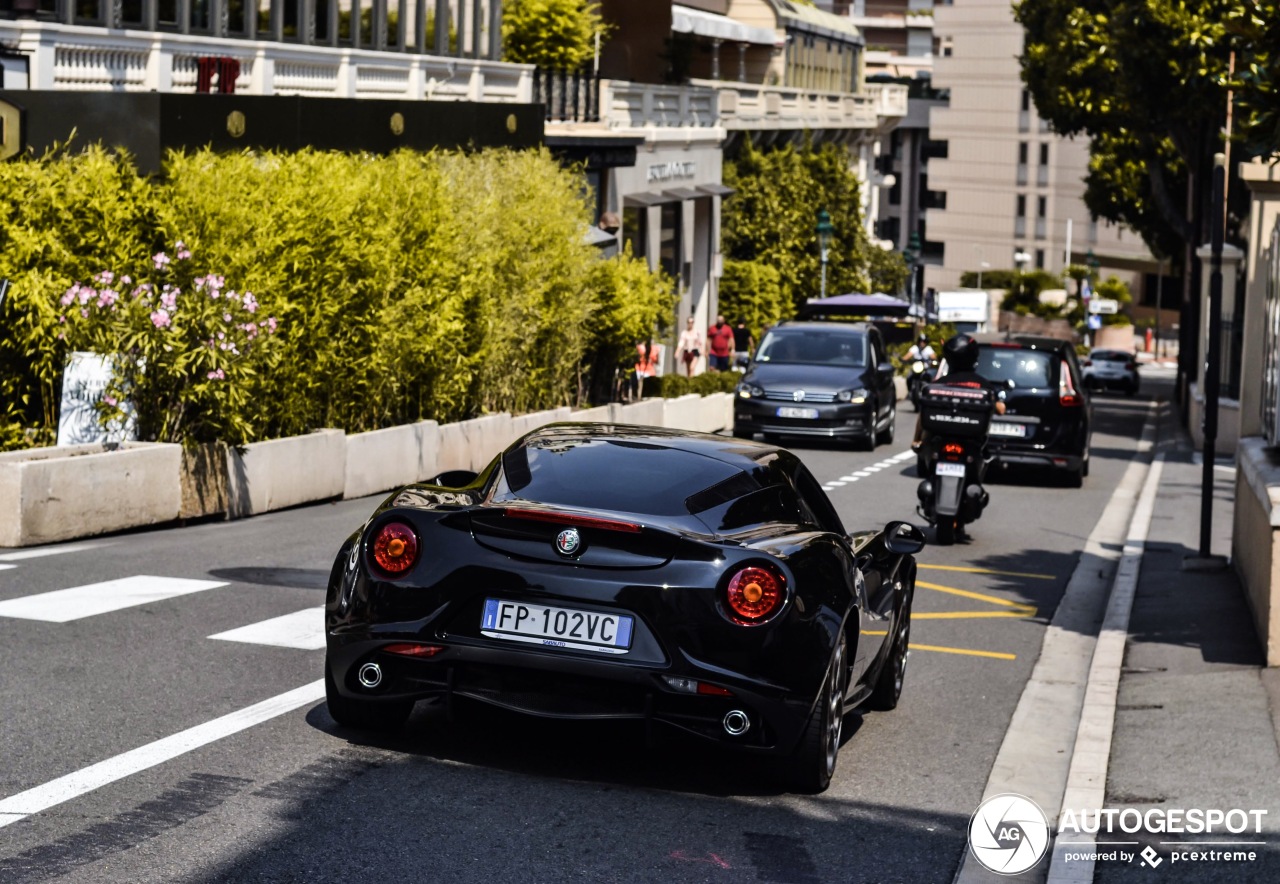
(822, 325)
(1030, 342)
(741, 453)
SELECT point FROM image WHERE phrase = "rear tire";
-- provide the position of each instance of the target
(887, 434)
(893, 673)
(370, 715)
(946, 532)
(814, 761)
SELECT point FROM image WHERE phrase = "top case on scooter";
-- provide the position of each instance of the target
(956, 410)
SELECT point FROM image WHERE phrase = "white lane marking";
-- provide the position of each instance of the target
(862, 474)
(43, 551)
(906, 455)
(848, 478)
(836, 484)
(7, 567)
(91, 599)
(87, 779)
(302, 629)
(874, 468)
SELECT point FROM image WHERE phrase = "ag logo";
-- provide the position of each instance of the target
(568, 541)
(1008, 834)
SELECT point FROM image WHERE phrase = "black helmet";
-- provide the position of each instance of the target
(961, 353)
(923, 339)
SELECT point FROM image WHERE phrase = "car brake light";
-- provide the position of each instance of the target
(413, 650)
(1067, 395)
(755, 594)
(395, 548)
(569, 519)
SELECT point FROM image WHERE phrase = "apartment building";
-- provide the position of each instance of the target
(1012, 186)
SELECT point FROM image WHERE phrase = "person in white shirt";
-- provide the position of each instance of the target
(921, 349)
(689, 348)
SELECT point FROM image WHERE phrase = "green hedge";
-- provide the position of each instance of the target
(439, 285)
(673, 385)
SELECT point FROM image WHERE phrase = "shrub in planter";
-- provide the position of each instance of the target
(672, 386)
(185, 347)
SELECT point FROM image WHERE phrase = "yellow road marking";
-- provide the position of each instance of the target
(969, 594)
(987, 571)
(993, 654)
(996, 655)
(971, 615)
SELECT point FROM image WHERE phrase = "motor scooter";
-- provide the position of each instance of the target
(953, 457)
(922, 372)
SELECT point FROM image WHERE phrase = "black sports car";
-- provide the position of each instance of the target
(608, 571)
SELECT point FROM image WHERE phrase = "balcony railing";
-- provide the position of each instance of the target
(753, 106)
(81, 58)
(567, 96)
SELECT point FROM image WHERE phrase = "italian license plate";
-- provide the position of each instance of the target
(803, 413)
(950, 469)
(999, 428)
(556, 627)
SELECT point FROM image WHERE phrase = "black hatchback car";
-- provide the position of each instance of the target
(1047, 416)
(824, 379)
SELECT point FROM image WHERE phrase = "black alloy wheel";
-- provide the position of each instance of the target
(886, 435)
(370, 715)
(894, 670)
(814, 761)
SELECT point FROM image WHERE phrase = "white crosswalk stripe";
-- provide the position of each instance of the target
(78, 602)
(303, 630)
(40, 552)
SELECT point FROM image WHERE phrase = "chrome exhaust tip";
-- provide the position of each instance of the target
(370, 675)
(736, 723)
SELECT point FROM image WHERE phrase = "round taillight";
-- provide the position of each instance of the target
(395, 548)
(755, 594)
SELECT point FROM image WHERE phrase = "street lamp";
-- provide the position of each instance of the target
(1021, 259)
(824, 230)
(912, 257)
(1091, 260)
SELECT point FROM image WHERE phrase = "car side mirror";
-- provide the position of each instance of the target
(454, 478)
(885, 369)
(903, 538)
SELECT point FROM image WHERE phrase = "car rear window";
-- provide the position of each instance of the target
(625, 475)
(1109, 356)
(1027, 369)
(813, 347)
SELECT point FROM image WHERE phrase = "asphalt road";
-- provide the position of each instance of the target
(496, 796)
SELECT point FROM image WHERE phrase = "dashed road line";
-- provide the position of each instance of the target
(42, 551)
(95, 776)
(63, 605)
(940, 649)
(967, 570)
(303, 630)
(970, 594)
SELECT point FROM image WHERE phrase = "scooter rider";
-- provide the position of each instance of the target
(921, 350)
(960, 358)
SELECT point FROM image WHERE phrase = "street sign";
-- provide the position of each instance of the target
(1104, 305)
(1094, 321)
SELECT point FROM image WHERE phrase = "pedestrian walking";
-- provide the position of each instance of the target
(720, 343)
(689, 347)
(743, 343)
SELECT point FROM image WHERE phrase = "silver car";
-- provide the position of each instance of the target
(1111, 370)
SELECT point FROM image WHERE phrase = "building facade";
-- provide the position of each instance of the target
(1012, 186)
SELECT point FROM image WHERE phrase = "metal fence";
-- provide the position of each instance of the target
(567, 96)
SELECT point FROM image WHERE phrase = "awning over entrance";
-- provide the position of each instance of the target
(642, 199)
(686, 20)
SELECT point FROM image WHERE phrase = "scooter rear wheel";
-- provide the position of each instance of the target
(946, 532)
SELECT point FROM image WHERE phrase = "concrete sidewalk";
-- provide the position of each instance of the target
(1196, 723)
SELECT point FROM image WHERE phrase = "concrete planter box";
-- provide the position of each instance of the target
(52, 494)
(204, 480)
(385, 459)
(601, 414)
(714, 409)
(1255, 538)
(527, 423)
(281, 473)
(645, 413)
(470, 445)
(684, 413)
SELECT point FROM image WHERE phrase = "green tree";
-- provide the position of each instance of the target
(752, 291)
(557, 34)
(772, 220)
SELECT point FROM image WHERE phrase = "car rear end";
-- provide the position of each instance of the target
(562, 612)
(1047, 413)
(1111, 370)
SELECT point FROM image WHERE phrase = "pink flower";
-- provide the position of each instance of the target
(183, 252)
(85, 294)
(70, 295)
(161, 260)
(108, 298)
(104, 277)
(160, 318)
(222, 336)
(226, 317)
(217, 375)
(126, 279)
(169, 300)
(61, 336)
(84, 312)
(110, 400)
(250, 302)
(62, 320)
(271, 325)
